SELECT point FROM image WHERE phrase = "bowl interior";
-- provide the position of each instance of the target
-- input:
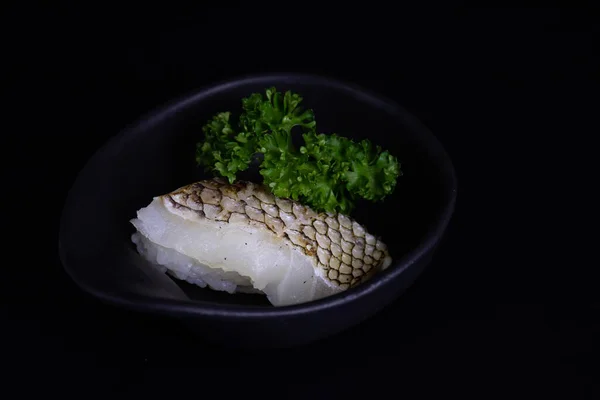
(158, 155)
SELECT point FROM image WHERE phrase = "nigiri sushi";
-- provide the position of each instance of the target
(241, 238)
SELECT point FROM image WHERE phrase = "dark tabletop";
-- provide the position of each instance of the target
(493, 315)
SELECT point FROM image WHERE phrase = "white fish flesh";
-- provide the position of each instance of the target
(240, 238)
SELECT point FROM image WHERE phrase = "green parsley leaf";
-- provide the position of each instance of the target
(327, 173)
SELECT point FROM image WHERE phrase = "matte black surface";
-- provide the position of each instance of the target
(509, 306)
(157, 155)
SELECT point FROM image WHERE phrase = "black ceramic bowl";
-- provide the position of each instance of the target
(157, 155)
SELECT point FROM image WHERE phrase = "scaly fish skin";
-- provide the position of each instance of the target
(344, 250)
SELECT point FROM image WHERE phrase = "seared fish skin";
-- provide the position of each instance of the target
(340, 246)
(341, 251)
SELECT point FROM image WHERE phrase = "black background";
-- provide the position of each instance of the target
(503, 309)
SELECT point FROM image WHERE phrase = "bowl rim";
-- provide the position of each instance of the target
(209, 309)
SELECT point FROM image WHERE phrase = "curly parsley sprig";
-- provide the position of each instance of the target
(328, 172)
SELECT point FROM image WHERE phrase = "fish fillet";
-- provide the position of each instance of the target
(240, 238)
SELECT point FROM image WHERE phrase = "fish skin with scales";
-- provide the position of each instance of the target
(329, 252)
